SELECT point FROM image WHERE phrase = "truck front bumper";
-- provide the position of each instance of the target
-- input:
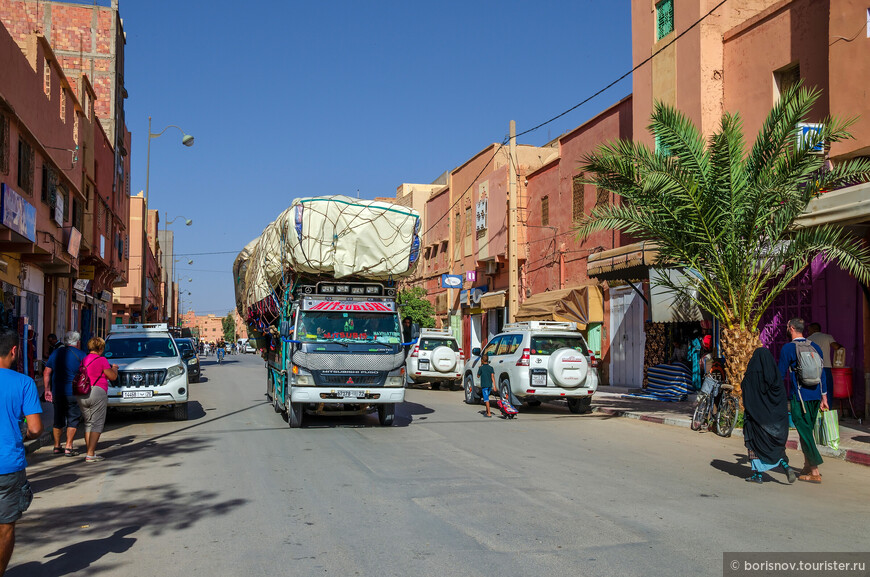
(348, 395)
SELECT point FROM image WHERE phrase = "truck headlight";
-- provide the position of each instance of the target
(193, 362)
(395, 382)
(175, 371)
(303, 381)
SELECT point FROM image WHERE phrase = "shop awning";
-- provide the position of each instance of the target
(581, 305)
(845, 206)
(493, 300)
(627, 262)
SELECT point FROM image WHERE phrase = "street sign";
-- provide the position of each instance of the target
(451, 281)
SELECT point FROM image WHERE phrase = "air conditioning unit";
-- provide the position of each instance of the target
(491, 267)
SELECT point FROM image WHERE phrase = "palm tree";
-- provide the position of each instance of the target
(725, 216)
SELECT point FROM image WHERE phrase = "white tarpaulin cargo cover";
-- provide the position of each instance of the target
(337, 236)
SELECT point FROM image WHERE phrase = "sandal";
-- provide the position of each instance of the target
(93, 458)
(71, 453)
(811, 478)
(58, 451)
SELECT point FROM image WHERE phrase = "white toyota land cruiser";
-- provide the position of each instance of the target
(536, 361)
(151, 372)
(435, 359)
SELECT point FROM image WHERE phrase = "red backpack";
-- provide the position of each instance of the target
(82, 382)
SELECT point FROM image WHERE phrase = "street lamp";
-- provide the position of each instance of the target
(166, 222)
(186, 140)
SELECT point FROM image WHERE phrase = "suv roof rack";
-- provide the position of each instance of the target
(139, 328)
(437, 332)
(540, 325)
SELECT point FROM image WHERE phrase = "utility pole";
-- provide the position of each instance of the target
(513, 268)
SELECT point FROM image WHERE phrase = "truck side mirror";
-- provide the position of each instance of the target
(284, 329)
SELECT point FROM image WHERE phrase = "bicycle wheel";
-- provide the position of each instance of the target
(727, 417)
(701, 411)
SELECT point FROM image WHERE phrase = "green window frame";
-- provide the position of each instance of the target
(664, 18)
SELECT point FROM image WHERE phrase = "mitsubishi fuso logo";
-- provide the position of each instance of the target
(349, 381)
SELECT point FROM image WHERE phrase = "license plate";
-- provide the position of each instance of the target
(137, 394)
(351, 394)
(424, 364)
(539, 380)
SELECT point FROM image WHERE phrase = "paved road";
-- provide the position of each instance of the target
(234, 491)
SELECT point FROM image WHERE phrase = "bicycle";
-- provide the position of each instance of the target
(220, 356)
(726, 409)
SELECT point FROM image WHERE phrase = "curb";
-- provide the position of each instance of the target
(848, 455)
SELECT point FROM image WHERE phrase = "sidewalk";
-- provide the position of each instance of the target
(854, 438)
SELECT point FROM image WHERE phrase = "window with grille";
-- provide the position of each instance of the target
(63, 105)
(76, 128)
(108, 216)
(457, 229)
(545, 211)
(602, 197)
(25, 167)
(468, 226)
(49, 185)
(46, 77)
(4, 144)
(577, 200)
(78, 215)
(787, 77)
(64, 194)
(664, 18)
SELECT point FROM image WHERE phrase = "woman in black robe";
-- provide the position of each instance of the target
(765, 420)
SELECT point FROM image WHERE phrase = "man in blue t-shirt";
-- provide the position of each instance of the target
(60, 371)
(814, 398)
(19, 401)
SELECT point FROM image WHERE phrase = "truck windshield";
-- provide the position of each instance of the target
(348, 327)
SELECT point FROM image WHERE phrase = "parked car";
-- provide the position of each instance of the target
(188, 353)
(537, 361)
(249, 348)
(435, 359)
(151, 372)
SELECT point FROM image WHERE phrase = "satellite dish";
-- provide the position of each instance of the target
(476, 295)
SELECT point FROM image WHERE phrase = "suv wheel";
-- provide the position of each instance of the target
(580, 405)
(504, 390)
(533, 403)
(435, 386)
(179, 412)
(469, 390)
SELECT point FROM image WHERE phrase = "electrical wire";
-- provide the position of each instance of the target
(624, 76)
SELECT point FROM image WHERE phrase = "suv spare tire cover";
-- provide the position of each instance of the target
(568, 368)
(443, 359)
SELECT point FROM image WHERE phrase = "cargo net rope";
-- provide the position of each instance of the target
(336, 237)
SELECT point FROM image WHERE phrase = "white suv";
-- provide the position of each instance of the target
(151, 372)
(536, 361)
(435, 359)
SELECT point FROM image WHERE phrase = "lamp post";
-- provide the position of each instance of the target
(171, 258)
(186, 140)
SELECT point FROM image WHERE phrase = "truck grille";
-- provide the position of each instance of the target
(348, 361)
(152, 378)
(330, 380)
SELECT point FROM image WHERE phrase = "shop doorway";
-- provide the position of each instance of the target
(626, 337)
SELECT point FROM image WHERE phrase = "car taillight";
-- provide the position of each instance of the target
(524, 360)
(416, 350)
(593, 362)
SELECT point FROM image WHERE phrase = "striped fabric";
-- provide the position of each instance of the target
(669, 383)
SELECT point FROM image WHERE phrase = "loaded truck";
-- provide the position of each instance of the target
(317, 291)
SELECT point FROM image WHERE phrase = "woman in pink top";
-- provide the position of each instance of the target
(95, 404)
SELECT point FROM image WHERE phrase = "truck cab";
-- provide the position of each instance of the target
(341, 353)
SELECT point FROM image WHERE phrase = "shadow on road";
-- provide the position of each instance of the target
(79, 556)
(155, 510)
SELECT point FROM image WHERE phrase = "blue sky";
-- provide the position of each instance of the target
(290, 99)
